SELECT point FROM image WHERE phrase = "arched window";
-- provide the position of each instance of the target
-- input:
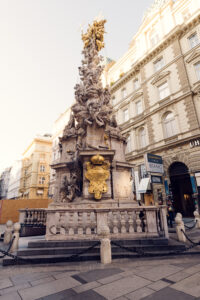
(169, 124)
(142, 137)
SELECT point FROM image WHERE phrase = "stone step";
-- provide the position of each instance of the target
(72, 250)
(88, 243)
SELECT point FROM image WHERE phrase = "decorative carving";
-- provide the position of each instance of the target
(70, 188)
(95, 33)
(97, 173)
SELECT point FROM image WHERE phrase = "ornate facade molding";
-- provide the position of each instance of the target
(159, 77)
(195, 54)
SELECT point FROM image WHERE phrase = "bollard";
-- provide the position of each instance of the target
(105, 248)
(180, 226)
(8, 232)
(197, 219)
(14, 246)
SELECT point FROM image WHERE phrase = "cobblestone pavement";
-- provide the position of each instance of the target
(175, 278)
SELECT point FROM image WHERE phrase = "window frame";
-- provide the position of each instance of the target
(158, 67)
(194, 34)
(136, 107)
(124, 114)
(169, 125)
(197, 70)
(159, 91)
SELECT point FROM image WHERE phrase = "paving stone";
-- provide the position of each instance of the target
(14, 288)
(41, 281)
(46, 289)
(4, 283)
(178, 276)
(189, 285)
(88, 295)
(128, 273)
(97, 274)
(78, 278)
(140, 294)
(64, 274)
(85, 287)
(192, 270)
(25, 277)
(168, 293)
(158, 272)
(158, 285)
(110, 278)
(121, 287)
(67, 294)
(11, 296)
(121, 298)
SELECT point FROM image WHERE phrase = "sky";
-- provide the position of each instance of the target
(40, 51)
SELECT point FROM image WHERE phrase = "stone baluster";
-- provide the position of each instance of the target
(115, 223)
(130, 222)
(80, 223)
(197, 218)
(123, 221)
(138, 222)
(93, 220)
(67, 222)
(71, 224)
(110, 221)
(88, 224)
(145, 223)
(8, 232)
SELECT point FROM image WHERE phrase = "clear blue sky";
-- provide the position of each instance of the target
(39, 55)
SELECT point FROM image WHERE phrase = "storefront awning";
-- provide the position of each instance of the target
(144, 185)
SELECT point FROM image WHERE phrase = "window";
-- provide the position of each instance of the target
(139, 108)
(41, 180)
(124, 93)
(197, 69)
(136, 84)
(42, 168)
(142, 137)
(126, 115)
(128, 145)
(169, 124)
(159, 64)
(113, 100)
(154, 38)
(193, 40)
(163, 90)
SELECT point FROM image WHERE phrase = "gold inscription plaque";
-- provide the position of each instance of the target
(97, 173)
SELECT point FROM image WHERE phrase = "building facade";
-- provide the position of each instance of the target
(35, 172)
(14, 180)
(4, 183)
(57, 132)
(155, 90)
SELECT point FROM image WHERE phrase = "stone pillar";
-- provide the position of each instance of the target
(151, 221)
(105, 251)
(197, 218)
(16, 236)
(8, 232)
(180, 228)
(164, 221)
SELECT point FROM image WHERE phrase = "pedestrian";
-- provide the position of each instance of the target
(170, 214)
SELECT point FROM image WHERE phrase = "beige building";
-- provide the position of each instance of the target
(156, 98)
(36, 168)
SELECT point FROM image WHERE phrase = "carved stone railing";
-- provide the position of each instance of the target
(33, 221)
(122, 223)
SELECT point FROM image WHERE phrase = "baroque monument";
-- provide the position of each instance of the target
(93, 191)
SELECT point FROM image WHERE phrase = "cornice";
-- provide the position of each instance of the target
(136, 95)
(196, 88)
(178, 32)
(159, 77)
(195, 54)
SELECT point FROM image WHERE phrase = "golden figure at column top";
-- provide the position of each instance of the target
(95, 32)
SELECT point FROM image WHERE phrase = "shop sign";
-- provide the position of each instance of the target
(166, 187)
(193, 183)
(195, 143)
(154, 163)
(156, 179)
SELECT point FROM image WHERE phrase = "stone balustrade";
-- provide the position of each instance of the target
(65, 224)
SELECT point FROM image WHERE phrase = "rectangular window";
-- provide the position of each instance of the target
(42, 168)
(124, 93)
(126, 115)
(197, 69)
(128, 145)
(139, 108)
(193, 40)
(41, 180)
(163, 90)
(136, 84)
(159, 64)
(113, 100)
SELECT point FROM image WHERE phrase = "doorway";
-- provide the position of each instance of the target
(181, 189)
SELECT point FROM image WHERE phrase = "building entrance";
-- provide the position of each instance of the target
(181, 189)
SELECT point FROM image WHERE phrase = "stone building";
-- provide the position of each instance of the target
(4, 182)
(57, 132)
(156, 98)
(14, 181)
(35, 172)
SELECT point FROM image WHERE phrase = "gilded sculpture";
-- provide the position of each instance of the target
(95, 32)
(98, 171)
